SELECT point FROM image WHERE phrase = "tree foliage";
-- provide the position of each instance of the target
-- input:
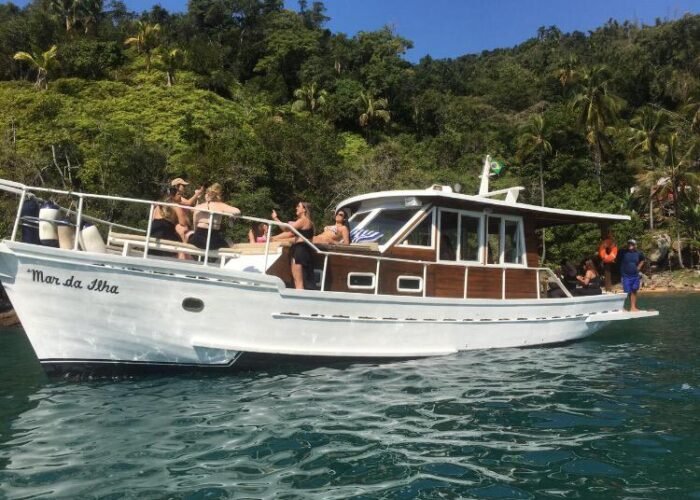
(277, 107)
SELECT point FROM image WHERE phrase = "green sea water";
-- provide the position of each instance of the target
(613, 416)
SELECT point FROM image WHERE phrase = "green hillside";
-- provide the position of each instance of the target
(277, 108)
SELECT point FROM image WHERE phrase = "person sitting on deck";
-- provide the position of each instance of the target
(302, 265)
(590, 281)
(568, 274)
(179, 196)
(169, 223)
(336, 233)
(258, 232)
(213, 203)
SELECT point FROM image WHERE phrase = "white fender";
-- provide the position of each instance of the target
(66, 236)
(91, 240)
(47, 228)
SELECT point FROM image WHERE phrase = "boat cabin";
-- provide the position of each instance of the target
(433, 242)
(439, 243)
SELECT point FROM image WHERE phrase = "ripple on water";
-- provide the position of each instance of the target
(602, 418)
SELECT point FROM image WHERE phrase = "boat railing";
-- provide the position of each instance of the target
(545, 278)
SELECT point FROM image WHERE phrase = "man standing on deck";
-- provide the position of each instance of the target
(631, 262)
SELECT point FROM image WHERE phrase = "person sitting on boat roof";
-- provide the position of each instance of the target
(179, 185)
(258, 232)
(213, 203)
(302, 264)
(336, 233)
(590, 281)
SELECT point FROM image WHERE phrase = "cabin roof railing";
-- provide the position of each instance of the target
(544, 216)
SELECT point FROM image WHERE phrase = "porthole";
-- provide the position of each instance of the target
(361, 281)
(409, 284)
(191, 304)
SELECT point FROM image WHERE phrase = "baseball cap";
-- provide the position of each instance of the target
(631, 242)
(176, 182)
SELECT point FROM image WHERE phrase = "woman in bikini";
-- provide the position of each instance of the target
(169, 223)
(200, 219)
(336, 233)
(258, 232)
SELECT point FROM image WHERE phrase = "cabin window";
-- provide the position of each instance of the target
(409, 284)
(512, 251)
(357, 219)
(469, 241)
(449, 231)
(384, 225)
(361, 281)
(504, 240)
(422, 234)
(459, 236)
(493, 240)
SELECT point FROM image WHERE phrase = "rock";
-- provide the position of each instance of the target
(661, 244)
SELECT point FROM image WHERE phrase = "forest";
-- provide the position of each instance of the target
(277, 108)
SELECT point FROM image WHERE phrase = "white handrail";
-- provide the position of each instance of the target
(148, 231)
(78, 222)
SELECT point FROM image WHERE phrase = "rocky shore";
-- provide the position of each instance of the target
(672, 281)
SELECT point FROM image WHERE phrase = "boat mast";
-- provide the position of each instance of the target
(485, 172)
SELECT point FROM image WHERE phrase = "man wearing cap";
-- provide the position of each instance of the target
(631, 262)
(179, 195)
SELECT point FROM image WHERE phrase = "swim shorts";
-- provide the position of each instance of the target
(630, 283)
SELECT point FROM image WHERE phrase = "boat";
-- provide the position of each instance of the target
(431, 272)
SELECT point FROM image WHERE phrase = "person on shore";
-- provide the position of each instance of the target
(631, 262)
(212, 203)
(258, 232)
(179, 197)
(337, 233)
(302, 264)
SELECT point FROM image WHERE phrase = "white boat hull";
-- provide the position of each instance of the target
(136, 316)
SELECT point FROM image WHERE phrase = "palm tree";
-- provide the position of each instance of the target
(533, 142)
(375, 112)
(43, 63)
(145, 40)
(67, 11)
(675, 180)
(568, 74)
(309, 99)
(89, 12)
(172, 59)
(646, 130)
(597, 109)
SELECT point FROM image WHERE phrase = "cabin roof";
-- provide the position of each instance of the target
(542, 216)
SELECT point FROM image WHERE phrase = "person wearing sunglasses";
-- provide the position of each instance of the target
(337, 233)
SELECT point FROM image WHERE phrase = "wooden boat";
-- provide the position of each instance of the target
(443, 272)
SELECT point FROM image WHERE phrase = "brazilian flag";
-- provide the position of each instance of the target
(497, 167)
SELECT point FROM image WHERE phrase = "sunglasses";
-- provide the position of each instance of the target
(342, 214)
